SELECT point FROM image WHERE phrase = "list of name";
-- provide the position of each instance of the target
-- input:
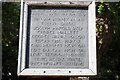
(58, 38)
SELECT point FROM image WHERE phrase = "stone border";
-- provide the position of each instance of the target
(92, 70)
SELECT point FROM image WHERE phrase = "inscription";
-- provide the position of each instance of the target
(58, 38)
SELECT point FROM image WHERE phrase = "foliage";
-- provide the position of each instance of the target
(107, 33)
(108, 40)
(10, 25)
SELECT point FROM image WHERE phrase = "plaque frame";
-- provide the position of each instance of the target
(92, 70)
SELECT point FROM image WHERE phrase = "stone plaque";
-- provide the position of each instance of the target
(58, 38)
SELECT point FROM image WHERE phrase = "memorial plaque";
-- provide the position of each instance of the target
(57, 39)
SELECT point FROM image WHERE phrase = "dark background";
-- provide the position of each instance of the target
(107, 33)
